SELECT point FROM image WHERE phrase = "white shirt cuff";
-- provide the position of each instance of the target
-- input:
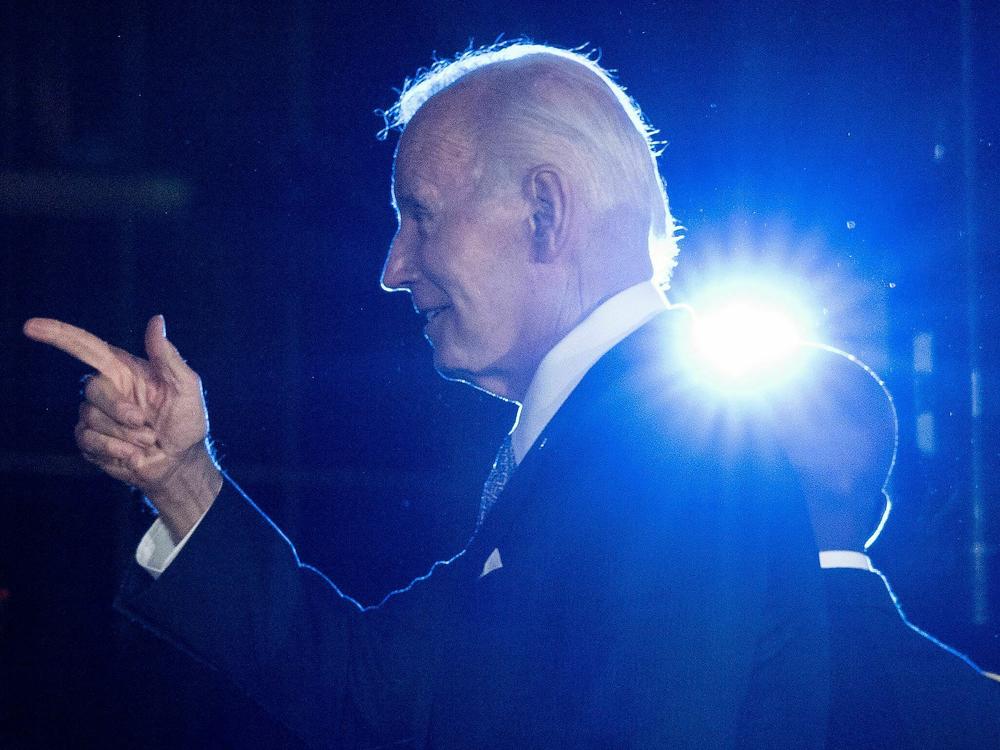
(157, 550)
(842, 558)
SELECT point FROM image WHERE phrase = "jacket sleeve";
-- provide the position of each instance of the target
(238, 598)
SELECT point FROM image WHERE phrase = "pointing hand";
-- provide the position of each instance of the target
(142, 421)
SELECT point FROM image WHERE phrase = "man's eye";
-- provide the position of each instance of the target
(424, 221)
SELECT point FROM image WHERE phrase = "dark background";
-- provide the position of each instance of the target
(217, 162)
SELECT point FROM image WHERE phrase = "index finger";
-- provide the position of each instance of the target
(76, 342)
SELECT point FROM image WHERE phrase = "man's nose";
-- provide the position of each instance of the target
(397, 273)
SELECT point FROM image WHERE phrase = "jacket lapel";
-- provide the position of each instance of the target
(643, 348)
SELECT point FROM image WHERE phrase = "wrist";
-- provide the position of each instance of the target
(188, 492)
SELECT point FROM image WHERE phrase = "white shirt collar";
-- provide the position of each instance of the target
(842, 558)
(568, 361)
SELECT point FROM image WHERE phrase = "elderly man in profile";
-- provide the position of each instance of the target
(633, 581)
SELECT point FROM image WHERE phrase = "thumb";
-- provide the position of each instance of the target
(162, 354)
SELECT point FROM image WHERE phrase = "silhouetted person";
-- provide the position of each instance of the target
(893, 685)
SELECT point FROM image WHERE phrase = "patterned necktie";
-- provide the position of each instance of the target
(503, 467)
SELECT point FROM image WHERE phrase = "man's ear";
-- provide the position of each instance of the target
(546, 190)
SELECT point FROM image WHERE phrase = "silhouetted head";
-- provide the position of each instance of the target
(839, 429)
(527, 193)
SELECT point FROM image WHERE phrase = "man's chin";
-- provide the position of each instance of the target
(479, 381)
(449, 370)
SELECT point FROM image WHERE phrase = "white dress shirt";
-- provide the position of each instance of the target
(568, 361)
(558, 374)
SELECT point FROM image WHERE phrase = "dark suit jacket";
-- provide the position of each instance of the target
(658, 589)
(894, 686)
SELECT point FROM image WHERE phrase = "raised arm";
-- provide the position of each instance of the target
(143, 421)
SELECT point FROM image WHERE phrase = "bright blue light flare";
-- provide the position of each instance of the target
(747, 340)
(742, 339)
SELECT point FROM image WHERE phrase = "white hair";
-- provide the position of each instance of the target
(557, 103)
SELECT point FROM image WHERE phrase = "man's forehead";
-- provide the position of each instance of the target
(436, 147)
(446, 121)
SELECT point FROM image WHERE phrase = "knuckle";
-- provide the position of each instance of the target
(84, 440)
(92, 389)
(94, 419)
(93, 442)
